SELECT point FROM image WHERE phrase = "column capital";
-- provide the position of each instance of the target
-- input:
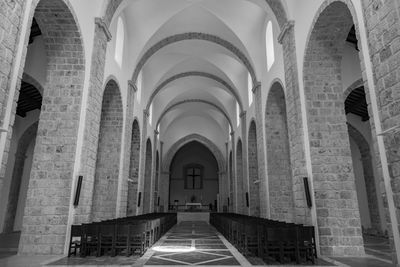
(286, 27)
(161, 143)
(146, 112)
(132, 86)
(257, 85)
(156, 132)
(232, 133)
(100, 22)
(243, 114)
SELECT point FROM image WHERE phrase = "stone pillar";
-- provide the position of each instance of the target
(165, 189)
(385, 102)
(296, 131)
(122, 201)
(142, 160)
(13, 195)
(262, 176)
(162, 182)
(227, 181)
(245, 180)
(11, 31)
(92, 122)
(154, 194)
(233, 175)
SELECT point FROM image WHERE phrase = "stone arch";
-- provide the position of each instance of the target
(367, 165)
(147, 177)
(194, 36)
(24, 142)
(254, 180)
(187, 139)
(328, 135)
(240, 198)
(108, 154)
(231, 183)
(194, 101)
(29, 79)
(355, 85)
(199, 74)
(278, 155)
(57, 133)
(133, 169)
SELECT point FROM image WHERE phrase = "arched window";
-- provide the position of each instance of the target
(250, 88)
(139, 83)
(151, 114)
(269, 45)
(119, 43)
(237, 115)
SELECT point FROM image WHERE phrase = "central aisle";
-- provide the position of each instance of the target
(194, 243)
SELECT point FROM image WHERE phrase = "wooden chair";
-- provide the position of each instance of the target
(306, 239)
(75, 241)
(107, 239)
(90, 240)
(137, 238)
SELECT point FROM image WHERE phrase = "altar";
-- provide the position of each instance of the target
(192, 205)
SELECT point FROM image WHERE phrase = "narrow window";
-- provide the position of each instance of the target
(139, 84)
(269, 44)
(119, 43)
(250, 88)
(237, 115)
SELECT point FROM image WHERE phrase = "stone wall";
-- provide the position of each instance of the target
(278, 156)
(108, 155)
(254, 182)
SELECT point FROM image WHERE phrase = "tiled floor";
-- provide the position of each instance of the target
(192, 243)
(196, 243)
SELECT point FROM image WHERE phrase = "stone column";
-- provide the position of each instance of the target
(163, 183)
(13, 195)
(296, 131)
(245, 156)
(154, 194)
(262, 176)
(123, 184)
(227, 179)
(142, 160)
(92, 122)
(383, 85)
(165, 189)
(222, 190)
(233, 175)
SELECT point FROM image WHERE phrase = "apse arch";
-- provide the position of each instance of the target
(193, 101)
(199, 74)
(190, 138)
(193, 36)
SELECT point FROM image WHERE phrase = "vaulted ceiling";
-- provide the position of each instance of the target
(192, 58)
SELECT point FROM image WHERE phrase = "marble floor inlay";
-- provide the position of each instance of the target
(192, 243)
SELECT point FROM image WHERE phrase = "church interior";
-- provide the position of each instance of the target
(200, 117)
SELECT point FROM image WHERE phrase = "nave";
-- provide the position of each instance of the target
(192, 243)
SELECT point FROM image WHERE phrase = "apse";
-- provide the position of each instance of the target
(193, 176)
